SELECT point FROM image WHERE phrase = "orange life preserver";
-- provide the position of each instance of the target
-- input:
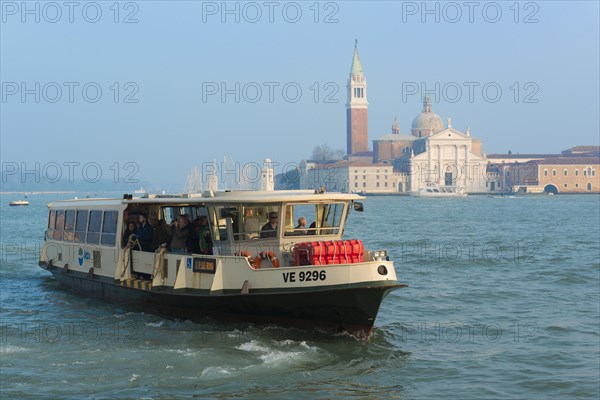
(254, 262)
(267, 254)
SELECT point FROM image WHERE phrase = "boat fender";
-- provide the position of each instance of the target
(268, 255)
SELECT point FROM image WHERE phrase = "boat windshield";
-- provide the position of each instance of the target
(256, 221)
(313, 219)
(253, 221)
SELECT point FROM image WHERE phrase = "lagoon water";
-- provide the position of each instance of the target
(503, 302)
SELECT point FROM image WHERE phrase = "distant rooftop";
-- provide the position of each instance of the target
(351, 163)
(570, 161)
(583, 149)
(517, 156)
(367, 153)
(395, 137)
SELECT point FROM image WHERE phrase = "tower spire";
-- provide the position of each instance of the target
(356, 66)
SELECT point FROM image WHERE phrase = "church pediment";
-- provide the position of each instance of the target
(448, 134)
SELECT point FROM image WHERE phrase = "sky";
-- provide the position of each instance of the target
(146, 90)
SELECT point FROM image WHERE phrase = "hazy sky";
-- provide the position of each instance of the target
(186, 82)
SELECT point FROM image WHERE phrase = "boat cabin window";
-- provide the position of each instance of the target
(69, 225)
(321, 219)
(81, 225)
(93, 233)
(60, 224)
(51, 222)
(248, 221)
(109, 228)
(170, 214)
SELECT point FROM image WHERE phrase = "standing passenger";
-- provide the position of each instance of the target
(131, 230)
(144, 233)
(205, 239)
(161, 234)
(181, 234)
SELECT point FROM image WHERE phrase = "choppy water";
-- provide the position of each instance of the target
(503, 302)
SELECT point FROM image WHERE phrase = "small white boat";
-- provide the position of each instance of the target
(19, 203)
(140, 193)
(433, 190)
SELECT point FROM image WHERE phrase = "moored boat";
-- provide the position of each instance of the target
(252, 259)
(433, 190)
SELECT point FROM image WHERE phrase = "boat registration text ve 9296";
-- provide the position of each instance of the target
(304, 276)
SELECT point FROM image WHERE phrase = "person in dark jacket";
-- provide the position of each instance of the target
(144, 233)
(269, 229)
(161, 234)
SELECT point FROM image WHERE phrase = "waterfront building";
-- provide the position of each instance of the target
(351, 176)
(575, 170)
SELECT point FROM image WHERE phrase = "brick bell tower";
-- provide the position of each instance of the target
(357, 130)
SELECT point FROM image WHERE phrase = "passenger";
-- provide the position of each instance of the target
(144, 233)
(181, 234)
(301, 228)
(270, 228)
(205, 242)
(192, 240)
(131, 230)
(161, 234)
(312, 229)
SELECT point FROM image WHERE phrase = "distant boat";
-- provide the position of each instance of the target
(141, 192)
(19, 203)
(433, 190)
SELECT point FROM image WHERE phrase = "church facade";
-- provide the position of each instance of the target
(434, 154)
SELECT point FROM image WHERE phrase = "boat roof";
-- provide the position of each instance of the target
(254, 196)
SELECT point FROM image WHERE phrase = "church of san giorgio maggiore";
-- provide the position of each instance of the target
(434, 154)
